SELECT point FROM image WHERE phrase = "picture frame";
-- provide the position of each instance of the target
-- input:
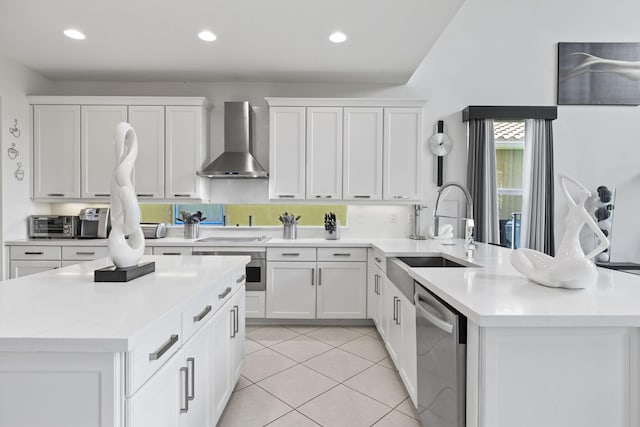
(598, 73)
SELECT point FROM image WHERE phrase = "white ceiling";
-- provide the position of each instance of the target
(258, 40)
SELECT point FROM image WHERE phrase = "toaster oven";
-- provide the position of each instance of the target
(54, 226)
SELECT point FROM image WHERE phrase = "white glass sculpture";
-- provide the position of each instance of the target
(126, 240)
(570, 268)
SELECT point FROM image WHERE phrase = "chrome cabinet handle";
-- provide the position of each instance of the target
(241, 279)
(376, 278)
(398, 311)
(286, 196)
(319, 277)
(291, 254)
(313, 271)
(85, 253)
(361, 197)
(236, 322)
(34, 253)
(395, 307)
(185, 408)
(341, 254)
(55, 195)
(400, 197)
(164, 348)
(225, 293)
(378, 259)
(170, 253)
(233, 323)
(102, 195)
(319, 196)
(192, 361)
(144, 195)
(202, 314)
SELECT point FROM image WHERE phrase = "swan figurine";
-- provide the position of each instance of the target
(570, 268)
(125, 213)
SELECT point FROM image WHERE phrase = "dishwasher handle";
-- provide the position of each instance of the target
(432, 318)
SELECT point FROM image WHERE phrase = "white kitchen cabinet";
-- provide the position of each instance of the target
(237, 305)
(287, 153)
(362, 154)
(324, 153)
(195, 357)
(148, 173)
(255, 304)
(291, 290)
(98, 125)
(24, 268)
(341, 291)
(172, 250)
(402, 154)
(384, 310)
(185, 144)
(56, 151)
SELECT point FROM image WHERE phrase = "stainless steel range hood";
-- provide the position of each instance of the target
(237, 160)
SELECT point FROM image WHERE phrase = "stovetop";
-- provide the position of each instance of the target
(234, 239)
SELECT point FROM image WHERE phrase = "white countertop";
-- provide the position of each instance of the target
(494, 294)
(65, 308)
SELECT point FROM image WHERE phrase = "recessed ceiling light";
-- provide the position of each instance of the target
(337, 37)
(74, 34)
(207, 36)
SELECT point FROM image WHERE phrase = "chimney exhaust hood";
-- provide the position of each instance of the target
(237, 160)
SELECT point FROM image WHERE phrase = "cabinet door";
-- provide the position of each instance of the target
(324, 153)
(159, 401)
(383, 309)
(402, 153)
(342, 290)
(287, 153)
(362, 154)
(24, 268)
(220, 362)
(184, 151)
(56, 151)
(238, 305)
(98, 154)
(148, 174)
(196, 359)
(291, 290)
(408, 359)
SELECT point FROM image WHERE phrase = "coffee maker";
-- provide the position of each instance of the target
(95, 223)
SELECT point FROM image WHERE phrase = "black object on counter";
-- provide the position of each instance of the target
(330, 222)
(114, 274)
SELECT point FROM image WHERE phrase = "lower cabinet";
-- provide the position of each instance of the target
(291, 290)
(341, 291)
(24, 268)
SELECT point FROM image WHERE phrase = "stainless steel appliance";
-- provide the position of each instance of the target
(442, 351)
(94, 223)
(256, 270)
(234, 239)
(154, 230)
(53, 226)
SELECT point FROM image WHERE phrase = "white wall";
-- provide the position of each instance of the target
(503, 52)
(16, 82)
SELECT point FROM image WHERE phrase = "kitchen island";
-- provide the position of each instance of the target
(162, 350)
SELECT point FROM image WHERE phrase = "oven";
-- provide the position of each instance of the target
(256, 270)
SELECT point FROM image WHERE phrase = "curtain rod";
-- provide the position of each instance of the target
(509, 112)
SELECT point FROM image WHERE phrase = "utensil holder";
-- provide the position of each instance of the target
(290, 231)
(192, 231)
(333, 235)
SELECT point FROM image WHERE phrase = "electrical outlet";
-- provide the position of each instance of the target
(394, 218)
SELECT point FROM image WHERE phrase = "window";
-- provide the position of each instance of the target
(509, 141)
(238, 215)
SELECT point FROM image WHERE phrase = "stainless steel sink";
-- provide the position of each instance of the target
(429, 261)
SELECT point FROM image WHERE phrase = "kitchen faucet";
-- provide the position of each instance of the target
(469, 221)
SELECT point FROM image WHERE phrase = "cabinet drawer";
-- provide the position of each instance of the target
(342, 254)
(84, 253)
(198, 311)
(172, 250)
(152, 348)
(36, 252)
(291, 254)
(380, 260)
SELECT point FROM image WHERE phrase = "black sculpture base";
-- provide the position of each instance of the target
(114, 274)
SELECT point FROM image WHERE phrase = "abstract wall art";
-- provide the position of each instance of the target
(598, 73)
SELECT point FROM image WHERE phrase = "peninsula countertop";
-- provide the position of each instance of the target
(65, 309)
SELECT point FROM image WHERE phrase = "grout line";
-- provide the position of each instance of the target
(414, 416)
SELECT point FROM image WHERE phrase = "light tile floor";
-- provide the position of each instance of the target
(329, 376)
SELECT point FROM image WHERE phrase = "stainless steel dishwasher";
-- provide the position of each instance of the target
(441, 333)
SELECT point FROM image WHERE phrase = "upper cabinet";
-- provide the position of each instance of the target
(56, 151)
(74, 156)
(345, 149)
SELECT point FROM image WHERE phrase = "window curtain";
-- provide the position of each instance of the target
(536, 229)
(481, 180)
